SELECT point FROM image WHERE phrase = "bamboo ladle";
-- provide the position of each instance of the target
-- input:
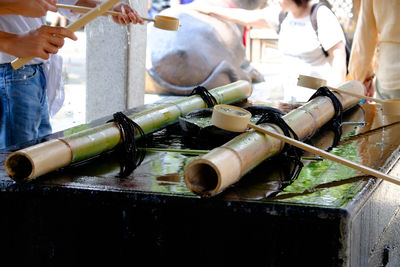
(389, 107)
(161, 22)
(236, 119)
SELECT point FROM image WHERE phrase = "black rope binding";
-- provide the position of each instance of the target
(130, 157)
(205, 95)
(335, 124)
(288, 152)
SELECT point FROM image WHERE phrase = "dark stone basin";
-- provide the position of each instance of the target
(330, 216)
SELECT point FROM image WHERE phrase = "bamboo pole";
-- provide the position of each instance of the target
(31, 162)
(225, 165)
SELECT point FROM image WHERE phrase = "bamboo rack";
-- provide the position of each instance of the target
(225, 165)
(37, 160)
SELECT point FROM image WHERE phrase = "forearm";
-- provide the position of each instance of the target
(338, 63)
(27, 8)
(6, 42)
(6, 8)
(364, 43)
(255, 18)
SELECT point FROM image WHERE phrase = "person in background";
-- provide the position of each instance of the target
(377, 35)
(298, 41)
(24, 108)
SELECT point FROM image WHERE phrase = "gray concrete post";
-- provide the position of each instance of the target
(115, 65)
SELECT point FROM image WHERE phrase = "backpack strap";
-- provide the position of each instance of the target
(282, 16)
(313, 14)
(314, 23)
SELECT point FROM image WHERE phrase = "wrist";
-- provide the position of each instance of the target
(7, 42)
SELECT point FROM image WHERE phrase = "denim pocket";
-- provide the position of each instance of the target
(24, 73)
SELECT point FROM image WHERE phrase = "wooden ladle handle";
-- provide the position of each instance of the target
(356, 95)
(327, 155)
(161, 22)
(85, 9)
(316, 83)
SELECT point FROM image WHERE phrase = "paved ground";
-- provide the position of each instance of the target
(74, 73)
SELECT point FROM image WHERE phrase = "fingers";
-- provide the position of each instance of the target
(49, 5)
(128, 15)
(52, 39)
(59, 31)
(123, 19)
(56, 41)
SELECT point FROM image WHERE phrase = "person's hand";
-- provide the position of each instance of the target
(40, 42)
(129, 15)
(32, 8)
(369, 84)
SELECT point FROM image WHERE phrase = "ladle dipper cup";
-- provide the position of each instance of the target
(161, 22)
(236, 119)
(389, 107)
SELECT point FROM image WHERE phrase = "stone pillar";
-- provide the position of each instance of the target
(137, 58)
(115, 65)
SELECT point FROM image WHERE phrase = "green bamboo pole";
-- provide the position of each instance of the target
(40, 159)
(183, 151)
(225, 165)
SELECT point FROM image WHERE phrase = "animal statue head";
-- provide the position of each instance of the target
(249, 4)
(206, 51)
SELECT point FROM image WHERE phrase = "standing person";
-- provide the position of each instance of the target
(24, 111)
(299, 43)
(377, 34)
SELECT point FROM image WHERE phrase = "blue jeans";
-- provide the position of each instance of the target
(24, 113)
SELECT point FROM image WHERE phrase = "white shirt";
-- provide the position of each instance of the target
(19, 24)
(301, 47)
(53, 67)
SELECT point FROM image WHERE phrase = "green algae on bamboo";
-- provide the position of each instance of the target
(40, 159)
(225, 165)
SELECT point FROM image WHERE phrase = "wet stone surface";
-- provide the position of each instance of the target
(324, 183)
(153, 204)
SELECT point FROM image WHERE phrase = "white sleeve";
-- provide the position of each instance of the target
(330, 31)
(68, 13)
(271, 13)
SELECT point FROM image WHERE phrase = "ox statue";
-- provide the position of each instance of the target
(206, 51)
